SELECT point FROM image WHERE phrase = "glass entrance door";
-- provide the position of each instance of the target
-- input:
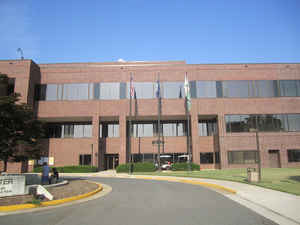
(111, 161)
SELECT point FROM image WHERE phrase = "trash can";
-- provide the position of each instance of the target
(252, 175)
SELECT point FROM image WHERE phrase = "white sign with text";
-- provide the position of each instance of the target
(12, 185)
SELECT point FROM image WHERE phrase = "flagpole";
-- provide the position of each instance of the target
(130, 115)
(187, 112)
(158, 121)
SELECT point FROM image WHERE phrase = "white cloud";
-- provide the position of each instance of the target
(17, 30)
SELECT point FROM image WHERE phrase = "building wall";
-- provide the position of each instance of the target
(66, 151)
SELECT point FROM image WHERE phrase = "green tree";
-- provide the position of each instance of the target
(20, 131)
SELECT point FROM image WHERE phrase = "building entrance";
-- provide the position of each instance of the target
(111, 161)
(274, 161)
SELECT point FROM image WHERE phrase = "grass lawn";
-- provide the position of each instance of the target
(281, 179)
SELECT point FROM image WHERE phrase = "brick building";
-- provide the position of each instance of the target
(86, 108)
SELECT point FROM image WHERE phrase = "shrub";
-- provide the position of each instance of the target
(137, 167)
(123, 168)
(144, 167)
(69, 169)
(184, 166)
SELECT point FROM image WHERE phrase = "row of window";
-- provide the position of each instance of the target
(164, 158)
(262, 122)
(69, 130)
(169, 90)
(145, 129)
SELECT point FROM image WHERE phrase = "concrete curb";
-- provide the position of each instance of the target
(10, 208)
(180, 180)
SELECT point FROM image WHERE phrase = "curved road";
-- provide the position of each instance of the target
(143, 202)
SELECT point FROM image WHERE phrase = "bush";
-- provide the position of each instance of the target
(123, 168)
(184, 166)
(144, 167)
(137, 167)
(69, 169)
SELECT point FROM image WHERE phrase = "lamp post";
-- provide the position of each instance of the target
(258, 149)
(258, 154)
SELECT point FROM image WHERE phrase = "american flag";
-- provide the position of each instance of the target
(131, 87)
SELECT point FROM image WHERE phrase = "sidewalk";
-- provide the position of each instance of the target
(280, 207)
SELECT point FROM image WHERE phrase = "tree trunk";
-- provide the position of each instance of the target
(5, 166)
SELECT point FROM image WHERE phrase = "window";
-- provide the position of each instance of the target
(143, 129)
(242, 157)
(173, 129)
(237, 89)
(207, 158)
(109, 129)
(87, 130)
(240, 123)
(109, 91)
(54, 131)
(266, 88)
(123, 90)
(51, 92)
(294, 122)
(293, 155)
(173, 90)
(207, 127)
(265, 122)
(96, 90)
(206, 89)
(69, 130)
(144, 90)
(85, 160)
(289, 88)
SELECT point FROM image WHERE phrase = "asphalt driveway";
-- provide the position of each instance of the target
(139, 202)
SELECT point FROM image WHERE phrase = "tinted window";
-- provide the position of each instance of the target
(207, 127)
(109, 91)
(51, 92)
(293, 155)
(96, 90)
(242, 157)
(207, 157)
(109, 129)
(294, 122)
(236, 89)
(173, 90)
(289, 88)
(206, 89)
(123, 91)
(266, 88)
(144, 90)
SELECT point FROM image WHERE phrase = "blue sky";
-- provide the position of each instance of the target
(199, 31)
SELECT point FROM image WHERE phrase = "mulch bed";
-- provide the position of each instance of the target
(73, 188)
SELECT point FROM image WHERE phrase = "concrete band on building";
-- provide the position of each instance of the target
(86, 108)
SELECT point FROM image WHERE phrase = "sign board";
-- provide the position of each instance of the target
(43, 191)
(12, 185)
(42, 160)
(51, 161)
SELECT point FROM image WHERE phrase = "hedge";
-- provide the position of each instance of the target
(184, 166)
(137, 167)
(69, 169)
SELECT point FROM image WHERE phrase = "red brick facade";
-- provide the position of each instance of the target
(66, 150)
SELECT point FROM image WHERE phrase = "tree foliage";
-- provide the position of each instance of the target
(20, 131)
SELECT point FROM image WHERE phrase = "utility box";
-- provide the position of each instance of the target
(252, 175)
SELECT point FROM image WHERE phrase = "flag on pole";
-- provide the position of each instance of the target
(158, 95)
(187, 93)
(131, 88)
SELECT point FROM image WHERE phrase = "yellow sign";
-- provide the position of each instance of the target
(51, 161)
